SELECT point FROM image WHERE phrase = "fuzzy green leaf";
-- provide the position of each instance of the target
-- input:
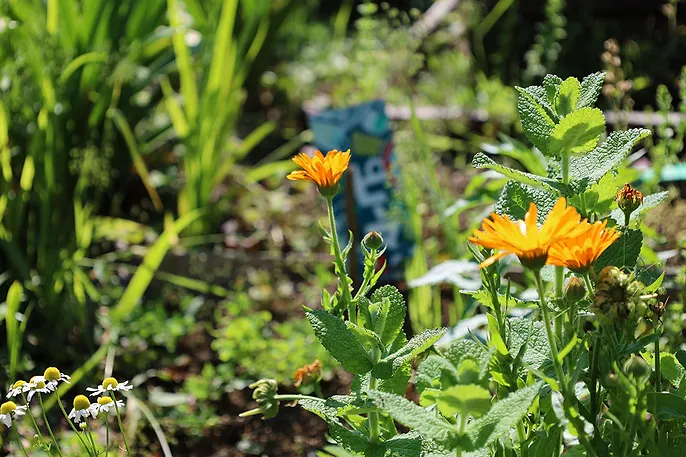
(350, 440)
(502, 417)
(577, 133)
(339, 341)
(667, 406)
(436, 371)
(623, 252)
(461, 350)
(418, 344)
(606, 157)
(551, 84)
(567, 96)
(649, 202)
(671, 369)
(415, 417)
(532, 333)
(481, 160)
(395, 312)
(515, 199)
(540, 96)
(464, 399)
(590, 89)
(536, 122)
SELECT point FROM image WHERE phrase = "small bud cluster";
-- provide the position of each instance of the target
(618, 298)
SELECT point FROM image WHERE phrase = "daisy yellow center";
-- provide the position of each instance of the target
(18, 384)
(81, 402)
(8, 407)
(104, 401)
(37, 383)
(52, 374)
(110, 382)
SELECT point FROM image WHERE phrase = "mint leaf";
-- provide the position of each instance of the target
(350, 440)
(536, 122)
(502, 417)
(671, 369)
(435, 372)
(551, 84)
(567, 96)
(606, 157)
(464, 399)
(540, 96)
(649, 202)
(577, 133)
(415, 417)
(461, 350)
(516, 197)
(481, 160)
(623, 252)
(394, 314)
(418, 344)
(339, 341)
(532, 334)
(590, 89)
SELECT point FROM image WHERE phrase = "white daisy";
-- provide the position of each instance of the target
(105, 405)
(19, 388)
(54, 376)
(9, 410)
(81, 409)
(109, 385)
(38, 384)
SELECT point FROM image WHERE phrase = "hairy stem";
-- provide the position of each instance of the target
(340, 264)
(595, 354)
(373, 416)
(658, 372)
(572, 415)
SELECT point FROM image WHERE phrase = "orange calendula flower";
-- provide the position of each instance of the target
(524, 238)
(580, 252)
(308, 373)
(325, 171)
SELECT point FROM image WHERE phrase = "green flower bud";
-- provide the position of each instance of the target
(264, 392)
(637, 368)
(574, 290)
(373, 240)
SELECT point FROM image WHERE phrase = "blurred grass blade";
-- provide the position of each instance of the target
(13, 335)
(260, 172)
(218, 70)
(149, 266)
(192, 284)
(138, 163)
(174, 109)
(80, 61)
(183, 62)
(154, 423)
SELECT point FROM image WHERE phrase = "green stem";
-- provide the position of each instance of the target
(562, 381)
(559, 293)
(595, 355)
(35, 424)
(90, 436)
(524, 450)
(373, 416)
(564, 165)
(292, 397)
(21, 445)
(107, 436)
(47, 424)
(121, 427)
(340, 264)
(627, 219)
(590, 291)
(66, 416)
(658, 372)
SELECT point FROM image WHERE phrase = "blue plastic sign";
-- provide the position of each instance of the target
(365, 130)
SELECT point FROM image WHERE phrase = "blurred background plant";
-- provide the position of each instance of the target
(158, 133)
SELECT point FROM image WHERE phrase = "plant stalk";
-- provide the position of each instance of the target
(47, 424)
(658, 372)
(71, 424)
(21, 445)
(562, 380)
(121, 427)
(340, 264)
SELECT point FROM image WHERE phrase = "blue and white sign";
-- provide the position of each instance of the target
(365, 130)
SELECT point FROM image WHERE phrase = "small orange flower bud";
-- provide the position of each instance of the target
(629, 199)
